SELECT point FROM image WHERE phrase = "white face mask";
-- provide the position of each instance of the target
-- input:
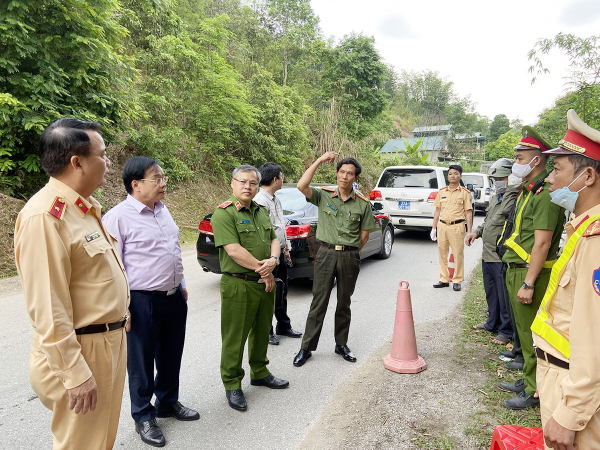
(522, 170)
(500, 186)
(514, 182)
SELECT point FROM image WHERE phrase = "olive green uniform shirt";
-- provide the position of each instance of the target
(340, 222)
(495, 216)
(539, 214)
(233, 223)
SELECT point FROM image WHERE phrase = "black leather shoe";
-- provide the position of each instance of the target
(515, 365)
(517, 386)
(289, 333)
(273, 339)
(236, 399)
(508, 354)
(178, 411)
(345, 352)
(439, 284)
(150, 433)
(271, 382)
(301, 357)
(522, 401)
(456, 286)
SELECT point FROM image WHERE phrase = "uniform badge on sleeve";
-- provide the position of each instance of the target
(596, 280)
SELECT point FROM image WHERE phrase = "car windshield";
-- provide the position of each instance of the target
(475, 180)
(413, 178)
(291, 199)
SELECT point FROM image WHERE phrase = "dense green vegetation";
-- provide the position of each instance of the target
(204, 85)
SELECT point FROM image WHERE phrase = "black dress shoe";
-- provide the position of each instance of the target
(517, 386)
(522, 401)
(440, 284)
(345, 352)
(456, 286)
(508, 354)
(236, 399)
(515, 365)
(178, 411)
(273, 339)
(150, 433)
(271, 382)
(289, 333)
(301, 357)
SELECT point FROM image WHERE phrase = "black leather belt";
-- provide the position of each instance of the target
(163, 293)
(551, 359)
(452, 223)
(242, 276)
(346, 248)
(101, 328)
(517, 266)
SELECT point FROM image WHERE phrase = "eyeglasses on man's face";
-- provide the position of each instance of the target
(157, 181)
(251, 183)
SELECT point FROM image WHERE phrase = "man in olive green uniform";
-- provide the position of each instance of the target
(249, 251)
(491, 266)
(345, 219)
(531, 252)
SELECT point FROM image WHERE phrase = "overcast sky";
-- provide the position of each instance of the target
(481, 46)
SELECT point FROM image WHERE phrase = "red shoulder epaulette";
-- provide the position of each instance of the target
(358, 194)
(225, 205)
(592, 229)
(329, 189)
(58, 208)
(540, 189)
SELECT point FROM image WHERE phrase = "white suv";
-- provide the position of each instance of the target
(482, 188)
(406, 194)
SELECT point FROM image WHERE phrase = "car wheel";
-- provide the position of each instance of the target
(386, 243)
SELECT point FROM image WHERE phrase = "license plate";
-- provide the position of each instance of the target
(403, 205)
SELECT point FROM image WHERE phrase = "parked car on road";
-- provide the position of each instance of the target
(406, 194)
(301, 234)
(482, 188)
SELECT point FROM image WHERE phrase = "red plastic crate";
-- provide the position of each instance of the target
(510, 437)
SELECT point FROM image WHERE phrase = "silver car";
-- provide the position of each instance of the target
(406, 194)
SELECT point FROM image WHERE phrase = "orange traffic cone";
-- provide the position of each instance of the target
(451, 267)
(404, 357)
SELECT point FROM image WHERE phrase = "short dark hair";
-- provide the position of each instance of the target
(349, 161)
(455, 167)
(268, 172)
(63, 139)
(135, 168)
(580, 162)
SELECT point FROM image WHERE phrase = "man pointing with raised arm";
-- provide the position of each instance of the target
(345, 219)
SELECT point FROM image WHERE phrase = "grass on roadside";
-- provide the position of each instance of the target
(475, 349)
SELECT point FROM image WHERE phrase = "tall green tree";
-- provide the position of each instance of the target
(502, 147)
(58, 58)
(498, 127)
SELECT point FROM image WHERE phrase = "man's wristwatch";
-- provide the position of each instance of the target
(527, 286)
(276, 259)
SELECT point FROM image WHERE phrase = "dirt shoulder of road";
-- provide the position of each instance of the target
(453, 404)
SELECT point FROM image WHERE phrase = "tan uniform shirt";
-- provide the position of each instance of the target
(574, 313)
(453, 203)
(71, 274)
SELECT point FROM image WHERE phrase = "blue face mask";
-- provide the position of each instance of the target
(565, 197)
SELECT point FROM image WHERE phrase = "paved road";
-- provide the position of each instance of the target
(275, 420)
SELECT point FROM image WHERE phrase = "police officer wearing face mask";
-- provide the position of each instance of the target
(565, 330)
(531, 251)
(495, 215)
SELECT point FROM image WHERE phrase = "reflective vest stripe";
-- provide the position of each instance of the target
(540, 325)
(520, 251)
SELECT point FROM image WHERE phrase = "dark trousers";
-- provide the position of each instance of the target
(156, 337)
(516, 341)
(493, 283)
(283, 321)
(330, 265)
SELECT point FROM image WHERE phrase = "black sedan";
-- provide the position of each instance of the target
(301, 234)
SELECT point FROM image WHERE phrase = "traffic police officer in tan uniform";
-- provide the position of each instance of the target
(345, 218)
(75, 289)
(452, 210)
(248, 252)
(565, 329)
